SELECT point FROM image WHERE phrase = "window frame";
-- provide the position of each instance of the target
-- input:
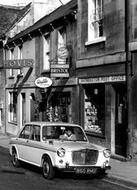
(46, 52)
(13, 107)
(95, 33)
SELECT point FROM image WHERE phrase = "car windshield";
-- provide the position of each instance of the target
(68, 133)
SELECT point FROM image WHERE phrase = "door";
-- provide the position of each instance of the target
(120, 121)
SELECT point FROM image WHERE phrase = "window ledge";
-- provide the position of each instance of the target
(11, 77)
(94, 134)
(96, 40)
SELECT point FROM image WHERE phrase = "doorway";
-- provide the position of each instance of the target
(120, 121)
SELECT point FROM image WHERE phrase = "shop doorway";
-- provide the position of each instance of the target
(120, 121)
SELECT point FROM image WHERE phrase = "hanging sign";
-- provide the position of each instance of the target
(62, 52)
(43, 82)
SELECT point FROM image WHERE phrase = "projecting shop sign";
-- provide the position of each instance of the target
(18, 63)
(59, 70)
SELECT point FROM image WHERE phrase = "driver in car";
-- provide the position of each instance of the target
(68, 135)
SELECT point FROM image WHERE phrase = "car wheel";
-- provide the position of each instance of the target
(47, 168)
(15, 161)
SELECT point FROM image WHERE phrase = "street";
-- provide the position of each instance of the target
(26, 177)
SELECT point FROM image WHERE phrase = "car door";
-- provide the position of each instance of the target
(23, 146)
(34, 145)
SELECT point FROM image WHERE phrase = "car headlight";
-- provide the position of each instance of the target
(61, 152)
(107, 153)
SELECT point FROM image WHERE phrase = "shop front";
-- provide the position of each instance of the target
(58, 102)
(104, 110)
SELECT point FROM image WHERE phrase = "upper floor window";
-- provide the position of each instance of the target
(61, 43)
(20, 49)
(95, 20)
(46, 54)
(11, 57)
(61, 37)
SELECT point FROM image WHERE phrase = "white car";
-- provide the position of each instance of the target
(45, 144)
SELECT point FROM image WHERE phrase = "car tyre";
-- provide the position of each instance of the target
(15, 160)
(47, 168)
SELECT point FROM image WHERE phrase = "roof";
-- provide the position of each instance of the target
(57, 14)
(50, 123)
(9, 15)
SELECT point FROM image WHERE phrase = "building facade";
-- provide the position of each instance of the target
(88, 50)
(106, 72)
(46, 49)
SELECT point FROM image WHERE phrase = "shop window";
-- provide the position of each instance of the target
(95, 108)
(13, 107)
(46, 52)
(95, 20)
(59, 107)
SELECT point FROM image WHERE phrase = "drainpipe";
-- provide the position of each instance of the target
(128, 79)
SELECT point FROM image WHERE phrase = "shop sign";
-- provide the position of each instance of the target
(59, 70)
(62, 53)
(118, 78)
(65, 82)
(43, 82)
(18, 63)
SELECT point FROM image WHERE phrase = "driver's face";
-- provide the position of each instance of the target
(69, 132)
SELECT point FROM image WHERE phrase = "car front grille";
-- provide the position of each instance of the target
(85, 157)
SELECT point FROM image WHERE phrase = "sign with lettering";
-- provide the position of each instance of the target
(43, 82)
(59, 70)
(118, 78)
(18, 63)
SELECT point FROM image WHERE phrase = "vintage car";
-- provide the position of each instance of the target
(46, 145)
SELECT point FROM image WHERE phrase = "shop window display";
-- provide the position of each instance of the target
(58, 107)
(95, 108)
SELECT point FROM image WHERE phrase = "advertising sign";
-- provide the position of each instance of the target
(43, 82)
(62, 53)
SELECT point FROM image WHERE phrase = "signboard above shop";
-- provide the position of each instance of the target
(18, 63)
(43, 82)
(117, 78)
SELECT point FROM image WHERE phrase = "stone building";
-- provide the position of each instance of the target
(106, 70)
(45, 49)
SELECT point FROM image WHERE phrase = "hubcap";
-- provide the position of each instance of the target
(45, 168)
(14, 158)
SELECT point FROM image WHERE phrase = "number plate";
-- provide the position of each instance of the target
(84, 170)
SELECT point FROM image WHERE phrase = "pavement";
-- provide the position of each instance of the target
(121, 172)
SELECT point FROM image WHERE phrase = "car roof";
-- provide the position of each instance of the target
(51, 123)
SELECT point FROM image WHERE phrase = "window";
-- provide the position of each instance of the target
(19, 57)
(13, 107)
(95, 108)
(46, 54)
(11, 72)
(95, 20)
(57, 132)
(61, 44)
(35, 133)
(61, 37)
(25, 134)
